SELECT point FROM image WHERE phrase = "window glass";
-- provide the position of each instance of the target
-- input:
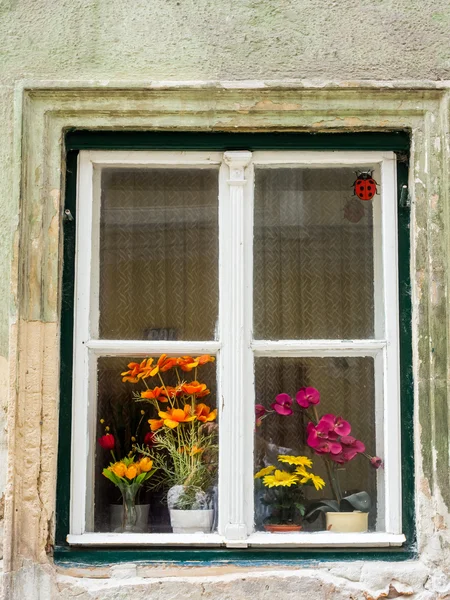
(182, 446)
(313, 255)
(158, 254)
(283, 429)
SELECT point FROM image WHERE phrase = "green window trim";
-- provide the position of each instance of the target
(77, 140)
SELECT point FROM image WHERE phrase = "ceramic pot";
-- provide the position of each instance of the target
(191, 521)
(282, 528)
(117, 515)
(347, 522)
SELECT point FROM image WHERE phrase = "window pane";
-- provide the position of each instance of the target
(158, 254)
(184, 446)
(313, 255)
(347, 390)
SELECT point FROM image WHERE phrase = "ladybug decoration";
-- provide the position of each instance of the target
(365, 187)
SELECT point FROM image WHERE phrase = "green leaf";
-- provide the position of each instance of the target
(321, 507)
(359, 501)
(301, 508)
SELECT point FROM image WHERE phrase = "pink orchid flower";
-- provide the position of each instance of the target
(376, 462)
(350, 448)
(307, 396)
(282, 404)
(260, 411)
(336, 426)
(319, 441)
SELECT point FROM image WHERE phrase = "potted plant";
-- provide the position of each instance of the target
(184, 448)
(129, 475)
(283, 492)
(328, 437)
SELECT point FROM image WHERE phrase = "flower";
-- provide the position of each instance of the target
(204, 358)
(145, 464)
(119, 469)
(265, 471)
(336, 426)
(107, 441)
(174, 416)
(132, 472)
(199, 389)
(282, 404)
(317, 481)
(280, 478)
(350, 448)
(164, 364)
(302, 461)
(171, 392)
(376, 462)
(154, 394)
(186, 363)
(149, 439)
(137, 371)
(155, 424)
(204, 413)
(319, 442)
(191, 451)
(307, 396)
(260, 411)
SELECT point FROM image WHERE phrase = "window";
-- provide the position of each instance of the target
(265, 261)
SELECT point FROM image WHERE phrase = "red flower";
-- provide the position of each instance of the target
(282, 405)
(307, 396)
(149, 439)
(107, 441)
(376, 462)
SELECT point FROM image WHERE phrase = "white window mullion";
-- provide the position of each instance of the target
(392, 444)
(236, 356)
(80, 404)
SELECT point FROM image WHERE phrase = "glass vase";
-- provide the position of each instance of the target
(129, 513)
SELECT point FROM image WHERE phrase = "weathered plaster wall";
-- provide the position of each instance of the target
(101, 41)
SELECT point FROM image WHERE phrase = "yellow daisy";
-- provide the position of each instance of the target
(280, 478)
(302, 461)
(317, 481)
(265, 471)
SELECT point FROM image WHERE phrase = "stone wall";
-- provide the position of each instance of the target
(334, 65)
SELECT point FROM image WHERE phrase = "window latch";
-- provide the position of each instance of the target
(405, 201)
(67, 216)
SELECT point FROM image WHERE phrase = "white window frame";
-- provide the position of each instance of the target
(235, 347)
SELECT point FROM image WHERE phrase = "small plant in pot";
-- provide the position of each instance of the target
(184, 448)
(128, 474)
(283, 492)
(328, 437)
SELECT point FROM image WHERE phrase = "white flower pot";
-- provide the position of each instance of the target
(347, 522)
(191, 521)
(116, 512)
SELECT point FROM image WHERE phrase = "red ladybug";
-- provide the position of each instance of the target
(365, 186)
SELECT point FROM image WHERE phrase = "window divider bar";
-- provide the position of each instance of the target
(144, 347)
(294, 348)
(236, 392)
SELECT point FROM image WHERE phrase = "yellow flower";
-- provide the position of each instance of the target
(119, 469)
(280, 478)
(131, 472)
(145, 464)
(265, 471)
(317, 481)
(302, 461)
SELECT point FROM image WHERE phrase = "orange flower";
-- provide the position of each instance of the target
(204, 358)
(186, 363)
(156, 424)
(191, 451)
(204, 413)
(131, 472)
(172, 392)
(145, 464)
(164, 364)
(195, 388)
(174, 416)
(157, 393)
(137, 371)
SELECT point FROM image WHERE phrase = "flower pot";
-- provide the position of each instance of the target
(191, 521)
(116, 518)
(347, 522)
(282, 528)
